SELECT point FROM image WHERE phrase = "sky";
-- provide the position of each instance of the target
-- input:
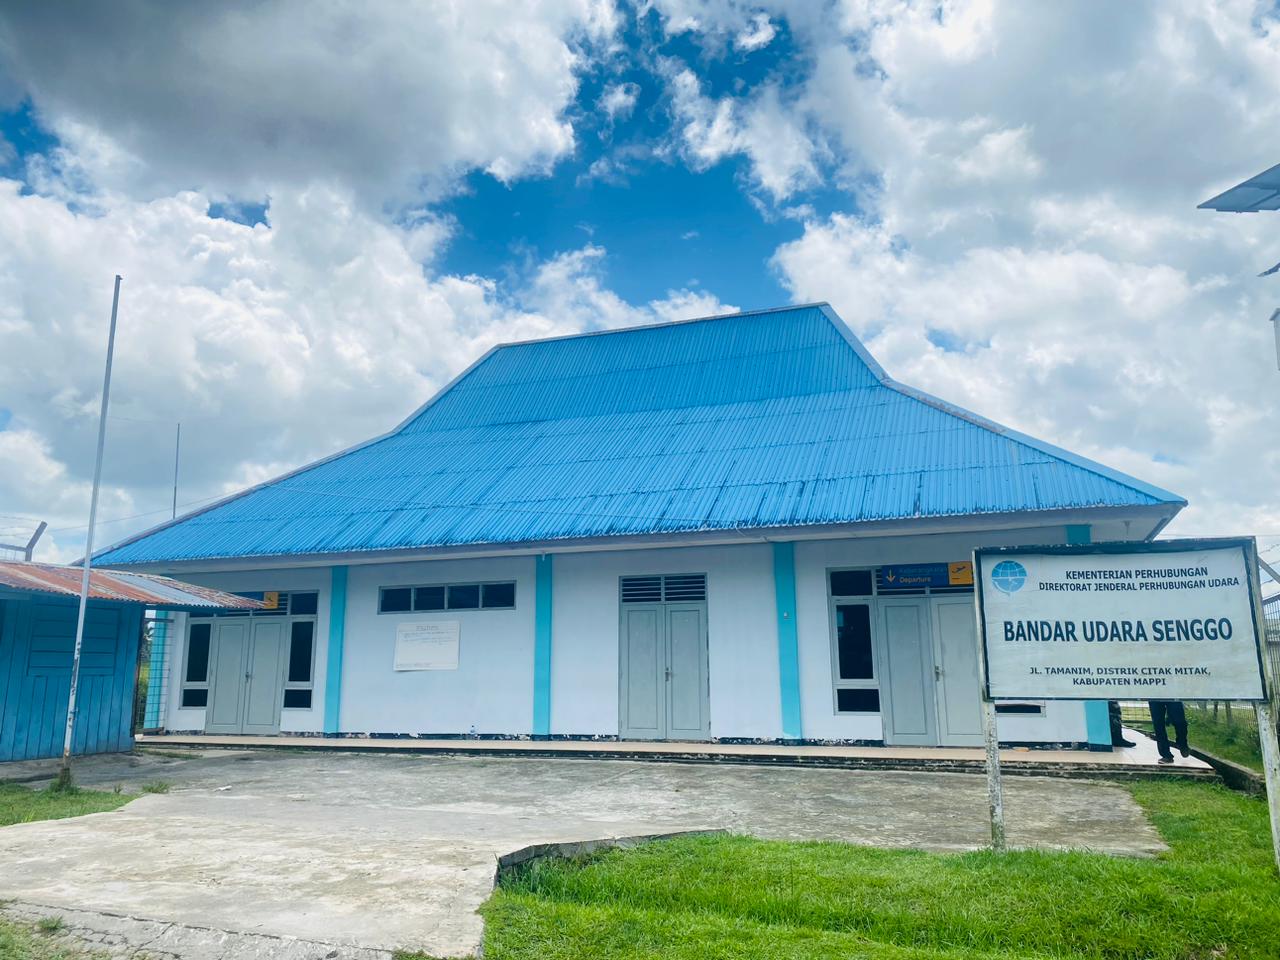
(323, 211)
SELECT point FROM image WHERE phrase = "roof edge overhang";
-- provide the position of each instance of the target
(1146, 521)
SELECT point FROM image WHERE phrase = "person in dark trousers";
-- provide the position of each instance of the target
(1117, 728)
(1169, 711)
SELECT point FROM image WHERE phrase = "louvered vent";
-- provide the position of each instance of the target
(688, 586)
(684, 587)
(641, 589)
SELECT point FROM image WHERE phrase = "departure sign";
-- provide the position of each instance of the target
(1169, 620)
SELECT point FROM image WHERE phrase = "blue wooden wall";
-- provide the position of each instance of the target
(37, 635)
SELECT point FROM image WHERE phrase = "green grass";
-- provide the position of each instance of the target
(156, 786)
(24, 941)
(19, 804)
(1214, 895)
(1236, 741)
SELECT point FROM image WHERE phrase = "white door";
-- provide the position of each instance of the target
(906, 653)
(956, 655)
(663, 691)
(245, 681)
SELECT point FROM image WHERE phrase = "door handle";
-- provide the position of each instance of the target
(668, 672)
(937, 673)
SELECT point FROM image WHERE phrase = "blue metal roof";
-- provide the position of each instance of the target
(1261, 192)
(776, 418)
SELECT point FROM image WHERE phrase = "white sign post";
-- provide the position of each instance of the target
(1166, 620)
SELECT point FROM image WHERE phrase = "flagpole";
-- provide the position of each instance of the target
(64, 774)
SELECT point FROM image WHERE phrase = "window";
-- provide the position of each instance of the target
(853, 659)
(297, 685)
(851, 583)
(1026, 709)
(195, 672)
(448, 596)
(285, 605)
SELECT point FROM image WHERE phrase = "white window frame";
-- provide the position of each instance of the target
(310, 683)
(186, 659)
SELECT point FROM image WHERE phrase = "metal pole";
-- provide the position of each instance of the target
(177, 447)
(64, 775)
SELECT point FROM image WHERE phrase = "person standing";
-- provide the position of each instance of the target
(1169, 711)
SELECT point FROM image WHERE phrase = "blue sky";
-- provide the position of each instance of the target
(322, 219)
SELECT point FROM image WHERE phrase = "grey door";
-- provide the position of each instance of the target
(956, 654)
(228, 658)
(906, 650)
(663, 689)
(244, 678)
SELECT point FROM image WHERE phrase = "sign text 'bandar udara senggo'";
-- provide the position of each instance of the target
(1175, 626)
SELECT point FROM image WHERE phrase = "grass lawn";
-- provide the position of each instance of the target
(19, 804)
(1214, 895)
(24, 941)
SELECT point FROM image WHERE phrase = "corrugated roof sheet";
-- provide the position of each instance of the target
(161, 593)
(1253, 195)
(754, 420)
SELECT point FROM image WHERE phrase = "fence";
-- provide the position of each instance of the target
(1271, 646)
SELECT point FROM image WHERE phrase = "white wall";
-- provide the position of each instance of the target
(1062, 722)
(248, 581)
(741, 636)
(492, 688)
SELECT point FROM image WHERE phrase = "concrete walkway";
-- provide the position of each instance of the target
(386, 851)
(1139, 760)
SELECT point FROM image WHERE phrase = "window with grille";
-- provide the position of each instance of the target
(671, 588)
(448, 596)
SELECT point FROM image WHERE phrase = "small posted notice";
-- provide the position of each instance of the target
(427, 645)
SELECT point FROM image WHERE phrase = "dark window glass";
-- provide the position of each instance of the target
(464, 596)
(396, 599)
(428, 598)
(303, 604)
(1018, 708)
(499, 594)
(300, 651)
(198, 653)
(297, 698)
(853, 641)
(195, 698)
(858, 701)
(851, 583)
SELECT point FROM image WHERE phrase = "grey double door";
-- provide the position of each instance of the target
(929, 673)
(246, 662)
(663, 691)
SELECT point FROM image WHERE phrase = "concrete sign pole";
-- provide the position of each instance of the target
(64, 775)
(990, 735)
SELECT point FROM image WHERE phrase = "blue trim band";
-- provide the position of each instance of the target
(784, 583)
(337, 635)
(542, 646)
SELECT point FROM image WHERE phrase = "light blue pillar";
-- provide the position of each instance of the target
(784, 585)
(333, 660)
(157, 663)
(542, 597)
(1097, 718)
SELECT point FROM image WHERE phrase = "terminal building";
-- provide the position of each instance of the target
(734, 528)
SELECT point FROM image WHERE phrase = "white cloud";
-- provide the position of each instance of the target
(757, 35)
(618, 100)
(763, 128)
(240, 99)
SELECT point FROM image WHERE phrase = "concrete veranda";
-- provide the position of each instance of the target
(363, 852)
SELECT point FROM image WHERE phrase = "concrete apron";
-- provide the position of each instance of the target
(364, 853)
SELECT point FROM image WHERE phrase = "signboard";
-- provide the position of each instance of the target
(905, 576)
(427, 645)
(1168, 620)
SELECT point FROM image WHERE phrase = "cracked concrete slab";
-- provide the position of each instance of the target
(388, 852)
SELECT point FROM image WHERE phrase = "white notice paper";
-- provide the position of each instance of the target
(427, 645)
